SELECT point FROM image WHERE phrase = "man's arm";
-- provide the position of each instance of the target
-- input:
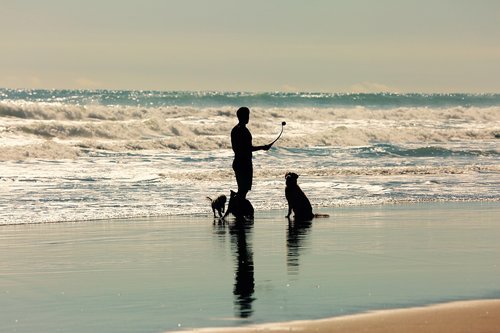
(264, 147)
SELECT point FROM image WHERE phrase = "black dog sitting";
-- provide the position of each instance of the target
(297, 200)
(239, 207)
(219, 204)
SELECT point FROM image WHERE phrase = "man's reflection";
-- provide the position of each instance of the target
(296, 233)
(244, 284)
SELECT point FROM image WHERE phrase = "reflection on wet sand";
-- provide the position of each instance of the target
(296, 234)
(244, 284)
(240, 232)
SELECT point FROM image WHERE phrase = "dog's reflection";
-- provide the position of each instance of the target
(296, 234)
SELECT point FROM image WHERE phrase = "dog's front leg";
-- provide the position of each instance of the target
(289, 212)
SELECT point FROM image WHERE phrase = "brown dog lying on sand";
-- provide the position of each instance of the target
(219, 204)
(297, 200)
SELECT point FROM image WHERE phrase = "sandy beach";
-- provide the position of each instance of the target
(481, 316)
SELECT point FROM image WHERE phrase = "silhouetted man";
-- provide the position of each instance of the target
(241, 141)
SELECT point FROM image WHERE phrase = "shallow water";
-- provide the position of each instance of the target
(124, 185)
(160, 274)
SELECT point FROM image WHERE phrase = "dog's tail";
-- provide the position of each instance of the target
(208, 198)
(321, 215)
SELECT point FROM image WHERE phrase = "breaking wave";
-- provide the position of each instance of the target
(35, 126)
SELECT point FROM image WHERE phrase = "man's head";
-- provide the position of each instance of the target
(243, 115)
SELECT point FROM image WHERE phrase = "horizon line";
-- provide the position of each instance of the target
(255, 92)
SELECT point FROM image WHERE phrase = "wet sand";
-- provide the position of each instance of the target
(481, 316)
(187, 272)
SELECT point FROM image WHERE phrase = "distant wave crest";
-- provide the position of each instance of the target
(120, 128)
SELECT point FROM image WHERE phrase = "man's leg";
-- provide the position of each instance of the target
(244, 179)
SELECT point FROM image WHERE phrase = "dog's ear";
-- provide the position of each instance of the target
(287, 174)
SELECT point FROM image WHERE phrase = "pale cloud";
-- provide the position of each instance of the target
(371, 87)
(10, 81)
(289, 88)
(85, 83)
(35, 81)
(21, 81)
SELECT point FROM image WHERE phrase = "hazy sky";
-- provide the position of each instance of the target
(257, 45)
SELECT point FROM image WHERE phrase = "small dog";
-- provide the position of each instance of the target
(239, 207)
(297, 200)
(219, 204)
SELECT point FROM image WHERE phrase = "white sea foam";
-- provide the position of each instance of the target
(85, 161)
(113, 185)
(126, 128)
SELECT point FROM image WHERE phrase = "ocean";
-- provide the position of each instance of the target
(80, 155)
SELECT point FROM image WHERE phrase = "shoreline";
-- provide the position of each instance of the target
(272, 211)
(453, 317)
